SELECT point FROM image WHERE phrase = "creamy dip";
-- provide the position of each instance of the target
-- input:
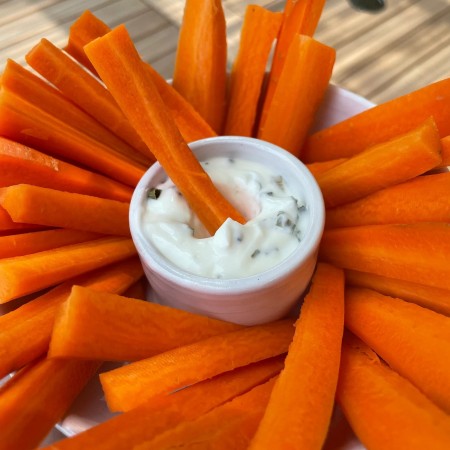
(276, 222)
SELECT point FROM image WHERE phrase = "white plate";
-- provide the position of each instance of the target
(90, 407)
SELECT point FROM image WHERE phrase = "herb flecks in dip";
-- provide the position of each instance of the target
(276, 218)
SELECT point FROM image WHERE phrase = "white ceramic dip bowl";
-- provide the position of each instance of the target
(255, 299)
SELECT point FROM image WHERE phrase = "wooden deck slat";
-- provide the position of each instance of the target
(377, 54)
(119, 11)
(362, 49)
(172, 10)
(341, 25)
(417, 76)
(413, 51)
(13, 10)
(238, 6)
(165, 65)
(138, 17)
(44, 20)
(159, 44)
(145, 24)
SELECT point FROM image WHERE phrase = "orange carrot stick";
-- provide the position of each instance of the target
(311, 370)
(8, 226)
(33, 401)
(383, 408)
(83, 328)
(300, 17)
(191, 124)
(445, 142)
(231, 425)
(26, 331)
(305, 77)
(118, 63)
(381, 123)
(414, 341)
(23, 164)
(429, 297)
(259, 31)
(422, 199)
(84, 30)
(28, 124)
(201, 59)
(38, 241)
(50, 207)
(163, 413)
(394, 251)
(83, 90)
(130, 385)
(382, 165)
(23, 275)
(322, 166)
(18, 80)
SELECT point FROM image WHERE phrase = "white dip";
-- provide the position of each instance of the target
(275, 226)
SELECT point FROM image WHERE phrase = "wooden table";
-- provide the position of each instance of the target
(379, 56)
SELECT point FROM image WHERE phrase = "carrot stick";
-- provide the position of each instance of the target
(191, 124)
(33, 401)
(130, 385)
(381, 123)
(311, 370)
(143, 329)
(384, 409)
(300, 17)
(200, 73)
(429, 297)
(83, 90)
(50, 207)
(445, 142)
(414, 341)
(23, 275)
(422, 199)
(163, 413)
(25, 84)
(412, 252)
(302, 84)
(84, 30)
(259, 31)
(28, 124)
(382, 165)
(231, 425)
(118, 63)
(322, 166)
(26, 331)
(23, 164)
(8, 226)
(38, 241)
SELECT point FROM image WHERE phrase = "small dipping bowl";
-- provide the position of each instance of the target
(256, 299)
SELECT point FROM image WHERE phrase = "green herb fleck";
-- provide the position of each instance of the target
(255, 253)
(154, 193)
